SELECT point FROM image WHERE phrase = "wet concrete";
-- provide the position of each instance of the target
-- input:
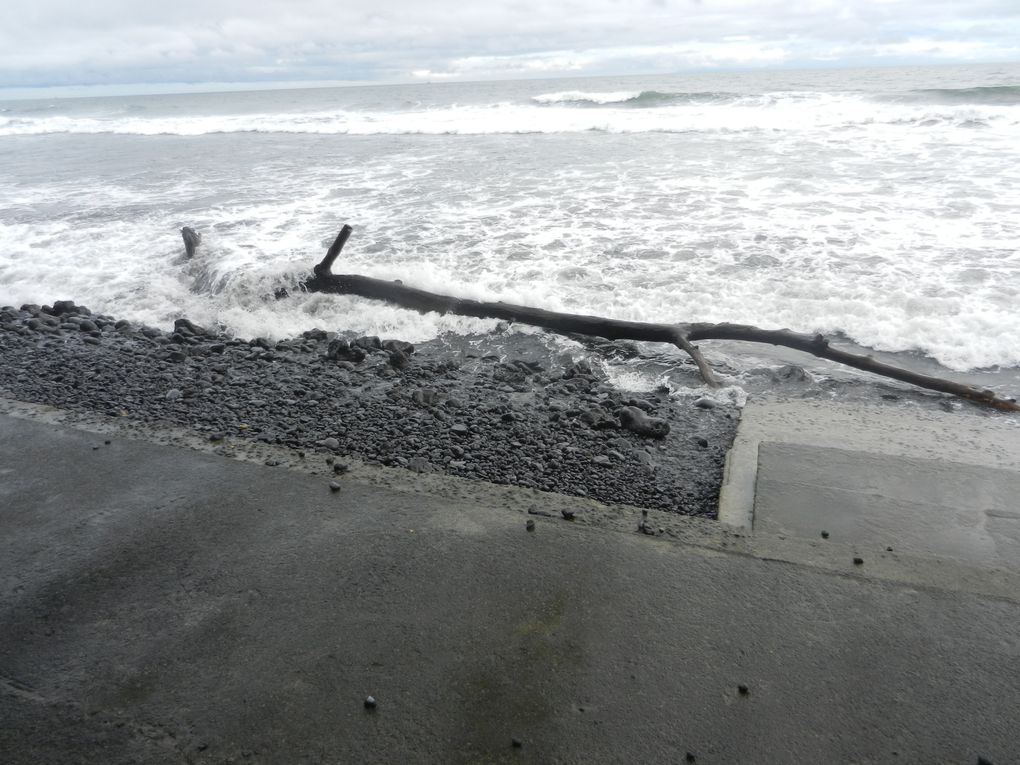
(971, 436)
(163, 605)
(931, 508)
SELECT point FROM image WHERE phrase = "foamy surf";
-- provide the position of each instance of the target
(554, 113)
(892, 221)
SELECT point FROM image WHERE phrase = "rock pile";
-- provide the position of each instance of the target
(512, 421)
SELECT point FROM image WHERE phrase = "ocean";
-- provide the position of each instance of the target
(881, 206)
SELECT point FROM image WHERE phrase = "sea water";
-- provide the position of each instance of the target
(881, 206)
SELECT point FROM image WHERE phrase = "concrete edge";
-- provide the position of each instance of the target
(710, 537)
(736, 495)
(587, 512)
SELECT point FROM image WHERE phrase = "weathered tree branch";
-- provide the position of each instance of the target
(326, 265)
(681, 335)
(818, 346)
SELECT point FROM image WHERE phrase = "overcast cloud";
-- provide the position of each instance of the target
(87, 42)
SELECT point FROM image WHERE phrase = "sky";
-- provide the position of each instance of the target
(127, 44)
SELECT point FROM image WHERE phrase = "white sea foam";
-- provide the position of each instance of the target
(786, 112)
(894, 223)
(579, 96)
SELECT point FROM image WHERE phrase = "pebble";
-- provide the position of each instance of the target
(330, 443)
(706, 403)
(635, 420)
(425, 396)
(335, 486)
(530, 525)
(419, 465)
(825, 535)
(858, 561)
(516, 743)
(370, 702)
(174, 394)
(398, 359)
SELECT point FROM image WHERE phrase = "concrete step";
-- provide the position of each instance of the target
(922, 507)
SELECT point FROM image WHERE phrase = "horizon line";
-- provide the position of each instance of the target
(100, 90)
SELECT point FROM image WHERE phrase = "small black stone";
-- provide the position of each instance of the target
(743, 690)
(984, 761)
(703, 443)
(825, 535)
(530, 525)
(568, 515)
(516, 743)
(689, 757)
(370, 702)
(858, 561)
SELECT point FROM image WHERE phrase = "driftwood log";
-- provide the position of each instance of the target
(682, 336)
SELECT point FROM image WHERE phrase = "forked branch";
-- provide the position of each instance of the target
(683, 336)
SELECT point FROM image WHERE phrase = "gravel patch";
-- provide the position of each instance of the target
(519, 421)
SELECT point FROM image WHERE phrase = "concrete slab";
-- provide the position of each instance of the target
(982, 439)
(930, 508)
(161, 605)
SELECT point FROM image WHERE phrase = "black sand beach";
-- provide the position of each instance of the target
(517, 421)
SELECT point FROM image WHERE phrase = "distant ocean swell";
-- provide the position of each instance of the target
(993, 95)
(640, 98)
(646, 111)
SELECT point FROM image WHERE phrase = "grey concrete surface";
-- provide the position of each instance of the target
(976, 437)
(928, 508)
(161, 605)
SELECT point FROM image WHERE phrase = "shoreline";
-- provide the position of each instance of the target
(428, 409)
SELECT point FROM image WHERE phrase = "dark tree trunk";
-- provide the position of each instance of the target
(681, 335)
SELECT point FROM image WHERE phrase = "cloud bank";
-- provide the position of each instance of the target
(46, 43)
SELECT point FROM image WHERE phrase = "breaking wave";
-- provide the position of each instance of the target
(608, 112)
(640, 98)
(993, 95)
